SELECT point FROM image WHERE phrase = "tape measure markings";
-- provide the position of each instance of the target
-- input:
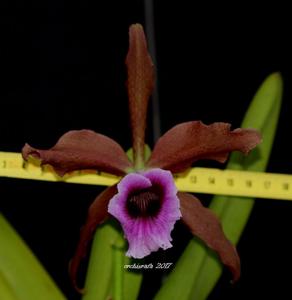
(199, 180)
(238, 183)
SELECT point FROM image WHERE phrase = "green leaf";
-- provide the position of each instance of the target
(106, 276)
(6, 290)
(21, 275)
(198, 270)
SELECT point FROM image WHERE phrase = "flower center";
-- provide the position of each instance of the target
(144, 203)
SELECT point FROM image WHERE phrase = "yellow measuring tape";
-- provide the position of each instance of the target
(197, 180)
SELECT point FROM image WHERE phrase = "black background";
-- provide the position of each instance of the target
(62, 68)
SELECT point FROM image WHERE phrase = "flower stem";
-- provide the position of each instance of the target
(99, 272)
(118, 261)
(106, 277)
(150, 32)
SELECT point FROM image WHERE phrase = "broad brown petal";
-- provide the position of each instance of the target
(97, 214)
(140, 85)
(205, 225)
(188, 142)
(80, 150)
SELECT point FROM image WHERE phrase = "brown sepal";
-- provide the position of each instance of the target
(203, 224)
(140, 85)
(80, 150)
(188, 142)
(97, 214)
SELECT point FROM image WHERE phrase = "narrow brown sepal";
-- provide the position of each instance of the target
(80, 150)
(140, 85)
(205, 225)
(188, 142)
(97, 214)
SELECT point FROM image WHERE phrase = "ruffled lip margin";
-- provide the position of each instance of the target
(147, 234)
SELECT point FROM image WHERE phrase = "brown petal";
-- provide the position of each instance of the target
(188, 142)
(205, 225)
(82, 149)
(140, 85)
(97, 214)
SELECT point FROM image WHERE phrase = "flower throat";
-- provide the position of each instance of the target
(144, 203)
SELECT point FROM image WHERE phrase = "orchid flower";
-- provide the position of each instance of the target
(146, 201)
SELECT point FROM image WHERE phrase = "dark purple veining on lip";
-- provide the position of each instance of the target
(145, 203)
